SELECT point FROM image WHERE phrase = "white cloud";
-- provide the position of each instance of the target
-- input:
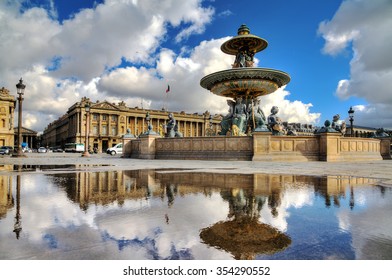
(364, 27)
(290, 111)
(62, 62)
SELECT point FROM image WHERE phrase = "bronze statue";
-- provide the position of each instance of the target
(172, 127)
(338, 124)
(227, 121)
(275, 123)
(257, 118)
(239, 118)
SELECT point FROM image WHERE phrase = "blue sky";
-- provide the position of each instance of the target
(336, 52)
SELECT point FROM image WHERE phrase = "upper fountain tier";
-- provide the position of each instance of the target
(244, 79)
(245, 42)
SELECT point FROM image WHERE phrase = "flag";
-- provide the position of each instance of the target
(168, 89)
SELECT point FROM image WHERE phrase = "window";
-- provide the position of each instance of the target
(104, 117)
(95, 117)
(114, 118)
(114, 130)
(95, 130)
(104, 130)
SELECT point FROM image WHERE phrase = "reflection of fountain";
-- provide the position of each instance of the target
(244, 236)
(244, 83)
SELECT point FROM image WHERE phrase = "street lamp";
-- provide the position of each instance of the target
(20, 87)
(87, 109)
(351, 119)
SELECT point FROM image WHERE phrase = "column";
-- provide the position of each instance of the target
(109, 129)
(77, 122)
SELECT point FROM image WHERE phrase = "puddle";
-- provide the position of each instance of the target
(164, 214)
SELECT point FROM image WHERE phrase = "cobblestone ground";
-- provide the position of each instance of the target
(381, 170)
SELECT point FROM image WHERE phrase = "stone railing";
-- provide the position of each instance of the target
(205, 148)
(262, 146)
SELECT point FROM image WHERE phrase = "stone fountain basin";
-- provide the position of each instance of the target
(247, 81)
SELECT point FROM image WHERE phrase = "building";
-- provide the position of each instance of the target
(7, 108)
(29, 137)
(361, 131)
(9, 133)
(108, 122)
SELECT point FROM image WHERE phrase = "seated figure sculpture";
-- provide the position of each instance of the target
(172, 127)
(275, 123)
(257, 118)
(239, 118)
(226, 122)
(339, 125)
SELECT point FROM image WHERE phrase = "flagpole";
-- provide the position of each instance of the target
(167, 96)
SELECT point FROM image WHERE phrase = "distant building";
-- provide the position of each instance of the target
(361, 131)
(9, 133)
(29, 137)
(7, 108)
(109, 122)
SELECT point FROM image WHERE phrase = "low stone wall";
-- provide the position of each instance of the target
(285, 148)
(205, 148)
(259, 147)
(336, 148)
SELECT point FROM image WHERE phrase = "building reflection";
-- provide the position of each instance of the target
(7, 201)
(6, 198)
(105, 187)
(246, 194)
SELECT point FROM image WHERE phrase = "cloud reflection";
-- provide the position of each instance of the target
(159, 215)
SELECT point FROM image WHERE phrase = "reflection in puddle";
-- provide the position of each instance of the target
(147, 214)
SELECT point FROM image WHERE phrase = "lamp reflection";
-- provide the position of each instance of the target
(18, 217)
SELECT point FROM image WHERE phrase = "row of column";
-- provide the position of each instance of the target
(182, 126)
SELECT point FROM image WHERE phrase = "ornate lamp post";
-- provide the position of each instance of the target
(20, 87)
(87, 109)
(351, 119)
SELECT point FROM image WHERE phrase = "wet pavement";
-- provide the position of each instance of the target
(64, 206)
(380, 170)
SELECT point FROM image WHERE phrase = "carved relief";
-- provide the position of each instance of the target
(197, 145)
(287, 145)
(245, 145)
(275, 146)
(344, 146)
(105, 105)
(208, 145)
(353, 146)
(232, 144)
(219, 145)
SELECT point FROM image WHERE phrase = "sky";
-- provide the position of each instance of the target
(337, 53)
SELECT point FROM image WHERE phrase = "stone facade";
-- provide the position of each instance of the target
(109, 123)
(261, 146)
(7, 108)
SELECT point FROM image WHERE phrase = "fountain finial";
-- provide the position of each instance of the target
(243, 30)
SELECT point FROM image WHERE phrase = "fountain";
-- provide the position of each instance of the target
(244, 84)
(263, 139)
